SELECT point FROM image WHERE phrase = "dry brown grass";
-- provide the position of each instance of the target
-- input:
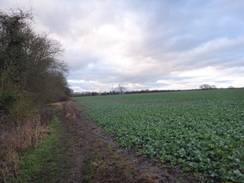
(15, 139)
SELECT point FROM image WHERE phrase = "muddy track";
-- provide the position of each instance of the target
(94, 151)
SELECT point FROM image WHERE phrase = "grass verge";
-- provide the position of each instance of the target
(46, 163)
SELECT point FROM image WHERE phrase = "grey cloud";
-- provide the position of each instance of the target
(142, 42)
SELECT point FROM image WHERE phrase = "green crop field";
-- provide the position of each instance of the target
(199, 131)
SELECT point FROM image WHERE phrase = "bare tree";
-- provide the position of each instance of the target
(207, 87)
(120, 89)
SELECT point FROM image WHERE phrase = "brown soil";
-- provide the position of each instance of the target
(97, 159)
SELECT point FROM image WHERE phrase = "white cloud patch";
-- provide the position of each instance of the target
(145, 44)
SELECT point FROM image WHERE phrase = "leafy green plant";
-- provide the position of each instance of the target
(199, 131)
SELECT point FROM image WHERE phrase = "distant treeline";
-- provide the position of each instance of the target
(82, 94)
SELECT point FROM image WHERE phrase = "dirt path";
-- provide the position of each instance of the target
(98, 160)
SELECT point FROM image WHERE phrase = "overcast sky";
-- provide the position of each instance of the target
(144, 44)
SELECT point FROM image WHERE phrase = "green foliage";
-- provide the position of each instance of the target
(21, 109)
(29, 62)
(8, 99)
(199, 131)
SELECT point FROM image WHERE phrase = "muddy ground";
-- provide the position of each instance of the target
(97, 159)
